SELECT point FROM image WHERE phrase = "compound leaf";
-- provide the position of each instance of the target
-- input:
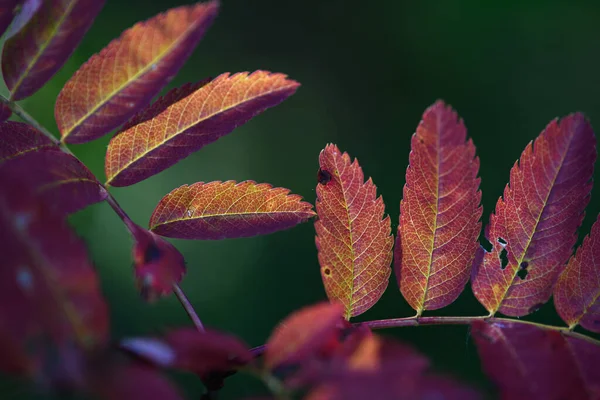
(51, 306)
(18, 138)
(577, 292)
(528, 362)
(221, 210)
(439, 212)
(534, 227)
(193, 119)
(37, 51)
(60, 180)
(120, 80)
(354, 238)
(310, 331)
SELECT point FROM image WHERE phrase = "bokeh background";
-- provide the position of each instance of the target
(368, 70)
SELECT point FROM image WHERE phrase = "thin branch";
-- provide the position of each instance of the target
(25, 116)
(185, 302)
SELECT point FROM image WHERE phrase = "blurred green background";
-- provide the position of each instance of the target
(368, 70)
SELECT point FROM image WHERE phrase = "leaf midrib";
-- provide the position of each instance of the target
(194, 218)
(141, 72)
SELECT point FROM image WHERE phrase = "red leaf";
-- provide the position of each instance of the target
(353, 236)
(305, 334)
(221, 210)
(17, 138)
(59, 179)
(528, 362)
(141, 62)
(439, 213)
(577, 292)
(35, 53)
(158, 264)
(192, 119)
(190, 350)
(51, 307)
(535, 225)
(133, 382)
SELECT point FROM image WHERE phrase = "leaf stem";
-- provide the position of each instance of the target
(185, 302)
(25, 116)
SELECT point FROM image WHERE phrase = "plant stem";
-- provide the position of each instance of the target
(131, 226)
(185, 302)
(421, 321)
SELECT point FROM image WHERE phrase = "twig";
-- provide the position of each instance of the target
(25, 116)
(185, 302)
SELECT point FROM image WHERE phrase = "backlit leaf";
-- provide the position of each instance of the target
(17, 138)
(353, 235)
(577, 292)
(534, 227)
(59, 179)
(439, 212)
(37, 51)
(190, 350)
(194, 119)
(157, 263)
(307, 333)
(220, 210)
(528, 362)
(51, 307)
(120, 80)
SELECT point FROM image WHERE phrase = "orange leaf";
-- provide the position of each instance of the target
(305, 333)
(353, 237)
(220, 210)
(108, 89)
(194, 118)
(439, 213)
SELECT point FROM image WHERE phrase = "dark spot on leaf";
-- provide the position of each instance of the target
(323, 176)
(535, 307)
(503, 258)
(522, 273)
(327, 271)
(502, 241)
(151, 254)
(524, 265)
(597, 322)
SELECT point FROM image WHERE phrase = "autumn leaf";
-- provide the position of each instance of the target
(37, 51)
(534, 227)
(222, 210)
(17, 138)
(577, 292)
(51, 308)
(310, 332)
(188, 349)
(194, 119)
(60, 180)
(157, 263)
(439, 213)
(353, 236)
(528, 362)
(141, 62)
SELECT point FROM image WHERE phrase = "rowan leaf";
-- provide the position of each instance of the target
(60, 180)
(223, 210)
(17, 138)
(439, 213)
(23, 12)
(37, 51)
(51, 307)
(139, 64)
(307, 333)
(528, 362)
(190, 350)
(158, 264)
(534, 227)
(8, 9)
(577, 292)
(193, 119)
(354, 238)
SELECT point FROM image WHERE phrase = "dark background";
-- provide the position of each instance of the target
(368, 70)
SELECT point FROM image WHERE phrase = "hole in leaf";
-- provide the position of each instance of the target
(151, 254)
(327, 271)
(502, 241)
(503, 258)
(522, 273)
(323, 176)
(487, 246)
